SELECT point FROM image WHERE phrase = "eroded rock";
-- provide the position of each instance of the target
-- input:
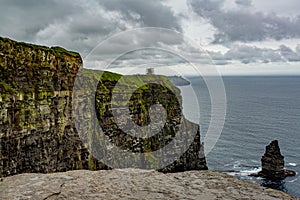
(273, 164)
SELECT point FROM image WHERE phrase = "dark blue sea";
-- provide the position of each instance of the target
(259, 110)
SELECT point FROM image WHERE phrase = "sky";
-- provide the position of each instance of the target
(237, 37)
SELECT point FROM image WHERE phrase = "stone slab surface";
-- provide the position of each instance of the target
(133, 184)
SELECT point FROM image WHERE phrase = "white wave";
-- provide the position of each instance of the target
(293, 164)
(227, 165)
(237, 164)
(245, 172)
(292, 181)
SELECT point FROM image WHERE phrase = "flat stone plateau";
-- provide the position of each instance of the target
(133, 184)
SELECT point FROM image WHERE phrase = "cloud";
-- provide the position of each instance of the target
(23, 19)
(80, 25)
(244, 3)
(147, 57)
(82, 31)
(203, 7)
(152, 13)
(244, 25)
(289, 54)
(251, 54)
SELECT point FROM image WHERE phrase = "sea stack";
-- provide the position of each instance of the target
(273, 164)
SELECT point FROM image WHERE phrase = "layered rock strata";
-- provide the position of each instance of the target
(37, 126)
(273, 164)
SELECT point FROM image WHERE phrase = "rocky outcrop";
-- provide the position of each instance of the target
(37, 130)
(273, 164)
(134, 184)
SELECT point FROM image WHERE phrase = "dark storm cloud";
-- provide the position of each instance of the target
(152, 13)
(23, 19)
(245, 25)
(79, 25)
(139, 39)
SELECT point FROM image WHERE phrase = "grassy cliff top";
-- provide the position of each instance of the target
(31, 67)
(18, 45)
(129, 80)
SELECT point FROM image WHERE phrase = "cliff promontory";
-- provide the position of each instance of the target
(37, 122)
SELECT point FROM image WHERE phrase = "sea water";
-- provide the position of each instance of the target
(259, 110)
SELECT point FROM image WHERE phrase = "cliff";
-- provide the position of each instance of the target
(134, 184)
(38, 132)
(36, 128)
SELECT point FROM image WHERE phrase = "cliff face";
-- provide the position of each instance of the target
(37, 130)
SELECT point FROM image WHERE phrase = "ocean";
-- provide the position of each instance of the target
(259, 110)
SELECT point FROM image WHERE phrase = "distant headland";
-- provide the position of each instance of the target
(178, 81)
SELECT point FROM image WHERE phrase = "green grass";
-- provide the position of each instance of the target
(5, 88)
(130, 81)
(137, 83)
(58, 50)
(101, 75)
(61, 51)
